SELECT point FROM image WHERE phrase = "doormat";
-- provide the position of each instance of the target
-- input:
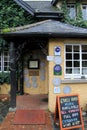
(29, 117)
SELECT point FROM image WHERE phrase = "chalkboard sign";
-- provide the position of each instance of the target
(70, 115)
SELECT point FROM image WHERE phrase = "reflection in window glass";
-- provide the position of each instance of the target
(76, 56)
(84, 12)
(71, 10)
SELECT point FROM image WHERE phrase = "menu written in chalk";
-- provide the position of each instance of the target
(70, 111)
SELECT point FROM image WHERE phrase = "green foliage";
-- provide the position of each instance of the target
(12, 15)
(78, 21)
(4, 77)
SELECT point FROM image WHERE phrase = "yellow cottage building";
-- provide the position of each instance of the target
(53, 58)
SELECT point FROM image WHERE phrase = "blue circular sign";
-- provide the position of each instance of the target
(57, 49)
(57, 70)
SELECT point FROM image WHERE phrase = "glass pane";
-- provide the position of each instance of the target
(76, 48)
(6, 68)
(84, 63)
(76, 63)
(76, 56)
(84, 12)
(72, 12)
(84, 48)
(84, 56)
(69, 56)
(68, 63)
(6, 53)
(84, 70)
(68, 48)
(5, 58)
(69, 71)
(76, 70)
(5, 63)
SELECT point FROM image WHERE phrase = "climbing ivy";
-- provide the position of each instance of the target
(78, 21)
(12, 15)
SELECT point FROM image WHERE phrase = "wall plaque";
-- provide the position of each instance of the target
(57, 70)
(57, 50)
(33, 73)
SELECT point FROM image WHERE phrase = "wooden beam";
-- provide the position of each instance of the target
(21, 77)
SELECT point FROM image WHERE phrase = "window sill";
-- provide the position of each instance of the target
(74, 81)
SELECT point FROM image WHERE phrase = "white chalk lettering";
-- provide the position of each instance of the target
(62, 100)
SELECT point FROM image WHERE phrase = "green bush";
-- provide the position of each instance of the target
(4, 77)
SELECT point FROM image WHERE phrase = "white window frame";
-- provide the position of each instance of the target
(73, 75)
(71, 10)
(4, 58)
(84, 11)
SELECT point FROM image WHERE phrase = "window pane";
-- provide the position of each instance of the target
(5, 58)
(69, 71)
(72, 11)
(76, 48)
(84, 12)
(5, 68)
(5, 53)
(84, 63)
(68, 63)
(5, 63)
(76, 63)
(76, 70)
(69, 56)
(76, 56)
(84, 71)
(84, 48)
(84, 56)
(68, 48)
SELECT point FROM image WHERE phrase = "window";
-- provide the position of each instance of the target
(72, 11)
(75, 61)
(4, 61)
(84, 12)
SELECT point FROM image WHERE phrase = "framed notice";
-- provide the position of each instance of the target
(69, 111)
(33, 64)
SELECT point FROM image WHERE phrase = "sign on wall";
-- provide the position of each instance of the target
(69, 111)
(57, 70)
(57, 50)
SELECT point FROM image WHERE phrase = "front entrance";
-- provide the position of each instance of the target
(35, 73)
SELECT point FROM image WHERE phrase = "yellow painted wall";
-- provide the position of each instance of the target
(5, 89)
(76, 88)
(42, 85)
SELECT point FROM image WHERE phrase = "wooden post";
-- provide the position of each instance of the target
(21, 77)
(17, 78)
(13, 75)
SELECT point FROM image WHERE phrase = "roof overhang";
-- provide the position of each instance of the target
(46, 29)
(40, 9)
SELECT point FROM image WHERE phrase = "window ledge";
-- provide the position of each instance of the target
(74, 81)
